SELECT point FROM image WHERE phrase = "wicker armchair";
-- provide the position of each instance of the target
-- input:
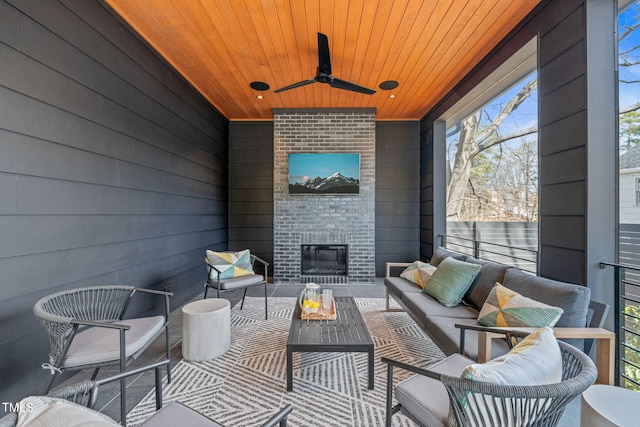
(442, 390)
(87, 329)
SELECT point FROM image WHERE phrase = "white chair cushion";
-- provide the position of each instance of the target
(177, 414)
(426, 398)
(240, 282)
(93, 345)
(42, 411)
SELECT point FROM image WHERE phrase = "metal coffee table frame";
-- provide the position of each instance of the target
(348, 333)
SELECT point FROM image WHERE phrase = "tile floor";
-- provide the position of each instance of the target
(138, 387)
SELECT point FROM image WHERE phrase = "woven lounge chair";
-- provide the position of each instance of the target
(174, 414)
(87, 329)
(428, 396)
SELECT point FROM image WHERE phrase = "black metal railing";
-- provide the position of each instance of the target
(627, 323)
(524, 258)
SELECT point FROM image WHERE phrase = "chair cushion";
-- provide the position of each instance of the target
(177, 414)
(240, 282)
(93, 345)
(230, 264)
(505, 307)
(450, 281)
(426, 398)
(418, 273)
(43, 411)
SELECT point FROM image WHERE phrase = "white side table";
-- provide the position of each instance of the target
(605, 405)
(206, 329)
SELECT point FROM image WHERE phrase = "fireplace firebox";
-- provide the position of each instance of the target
(324, 260)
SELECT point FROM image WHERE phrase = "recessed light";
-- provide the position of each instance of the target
(388, 85)
(393, 95)
(259, 86)
(260, 97)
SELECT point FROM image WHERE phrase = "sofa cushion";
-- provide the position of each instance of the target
(450, 281)
(443, 332)
(572, 299)
(490, 273)
(505, 307)
(398, 286)
(441, 253)
(418, 273)
(423, 306)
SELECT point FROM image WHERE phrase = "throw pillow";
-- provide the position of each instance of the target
(450, 281)
(505, 307)
(535, 360)
(230, 264)
(418, 273)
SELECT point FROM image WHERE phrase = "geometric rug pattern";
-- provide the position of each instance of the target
(247, 384)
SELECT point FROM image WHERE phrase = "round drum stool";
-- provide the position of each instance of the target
(206, 329)
(606, 405)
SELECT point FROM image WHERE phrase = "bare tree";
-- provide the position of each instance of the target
(474, 140)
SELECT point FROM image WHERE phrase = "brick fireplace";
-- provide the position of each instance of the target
(324, 221)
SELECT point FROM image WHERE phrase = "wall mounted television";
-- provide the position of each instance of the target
(324, 173)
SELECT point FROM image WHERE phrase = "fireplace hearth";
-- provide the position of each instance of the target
(324, 260)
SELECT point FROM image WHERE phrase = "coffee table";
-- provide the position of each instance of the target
(348, 333)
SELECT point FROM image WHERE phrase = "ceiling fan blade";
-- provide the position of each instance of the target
(295, 85)
(341, 84)
(324, 59)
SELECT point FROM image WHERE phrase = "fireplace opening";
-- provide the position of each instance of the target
(324, 260)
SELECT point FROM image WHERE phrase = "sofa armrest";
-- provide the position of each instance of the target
(391, 265)
(605, 346)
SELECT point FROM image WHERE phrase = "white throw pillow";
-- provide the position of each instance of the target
(536, 360)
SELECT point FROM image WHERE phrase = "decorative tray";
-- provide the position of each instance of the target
(321, 314)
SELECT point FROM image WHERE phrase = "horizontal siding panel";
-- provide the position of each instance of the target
(51, 233)
(563, 134)
(563, 199)
(566, 166)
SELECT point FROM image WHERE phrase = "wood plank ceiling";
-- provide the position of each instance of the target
(220, 47)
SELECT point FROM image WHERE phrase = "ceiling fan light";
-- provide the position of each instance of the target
(388, 85)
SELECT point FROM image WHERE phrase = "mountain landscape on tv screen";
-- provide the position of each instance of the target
(334, 184)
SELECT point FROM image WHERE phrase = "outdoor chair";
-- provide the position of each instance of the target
(87, 329)
(84, 396)
(438, 396)
(218, 275)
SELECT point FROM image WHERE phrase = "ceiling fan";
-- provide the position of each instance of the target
(324, 72)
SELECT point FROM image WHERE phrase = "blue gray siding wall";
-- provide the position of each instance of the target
(113, 170)
(251, 188)
(397, 193)
(561, 28)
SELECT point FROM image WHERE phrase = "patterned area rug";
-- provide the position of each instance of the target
(247, 385)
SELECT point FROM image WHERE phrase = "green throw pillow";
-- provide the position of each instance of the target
(230, 264)
(505, 307)
(418, 273)
(450, 281)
